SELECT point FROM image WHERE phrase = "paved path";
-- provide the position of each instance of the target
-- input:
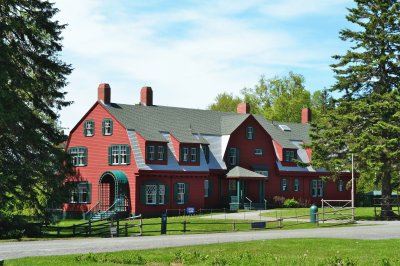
(8, 250)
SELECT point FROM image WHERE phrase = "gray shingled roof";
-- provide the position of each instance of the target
(186, 124)
(240, 172)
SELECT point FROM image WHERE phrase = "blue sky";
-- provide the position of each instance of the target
(190, 51)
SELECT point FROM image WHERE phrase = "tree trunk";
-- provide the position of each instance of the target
(386, 209)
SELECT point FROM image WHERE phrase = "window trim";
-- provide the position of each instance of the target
(78, 189)
(206, 188)
(250, 132)
(185, 154)
(258, 152)
(318, 188)
(85, 128)
(284, 184)
(110, 126)
(115, 155)
(150, 152)
(180, 196)
(76, 150)
(340, 185)
(193, 154)
(232, 156)
(290, 158)
(296, 185)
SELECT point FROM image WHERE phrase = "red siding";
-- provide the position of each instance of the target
(97, 149)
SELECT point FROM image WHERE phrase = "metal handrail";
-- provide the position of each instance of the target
(95, 208)
(265, 203)
(249, 201)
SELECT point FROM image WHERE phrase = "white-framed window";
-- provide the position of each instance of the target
(250, 132)
(262, 172)
(296, 185)
(118, 154)
(317, 188)
(289, 155)
(151, 194)
(232, 156)
(150, 152)
(193, 154)
(80, 193)
(206, 188)
(284, 184)
(232, 184)
(258, 152)
(185, 154)
(123, 153)
(89, 128)
(160, 153)
(107, 126)
(78, 156)
(180, 193)
(115, 154)
(161, 194)
(340, 185)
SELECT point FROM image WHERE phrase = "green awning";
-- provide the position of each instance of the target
(118, 175)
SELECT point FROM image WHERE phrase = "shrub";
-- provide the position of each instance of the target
(290, 203)
(278, 200)
(11, 225)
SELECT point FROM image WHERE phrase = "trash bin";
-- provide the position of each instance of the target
(163, 223)
(313, 214)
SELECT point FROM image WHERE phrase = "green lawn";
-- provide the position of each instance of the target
(266, 252)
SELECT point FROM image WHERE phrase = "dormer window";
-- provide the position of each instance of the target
(150, 152)
(289, 155)
(156, 152)
(160, 153)
(250, 132)
(88, 128)
(193, 154)
(284, 128)
(189, 154)
(206, 151)
(185, 154)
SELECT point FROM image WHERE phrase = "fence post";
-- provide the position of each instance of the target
(73, 230)
(184, 226)
(126, 229)
(90, 228)
(58, 231)
(225, 213)
(233, 226)
(280, 223)
(117, 227)
(141, 225)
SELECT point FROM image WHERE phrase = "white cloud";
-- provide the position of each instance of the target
(187, 54)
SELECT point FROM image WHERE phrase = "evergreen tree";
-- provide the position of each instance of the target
(32, 163)
(366, 118)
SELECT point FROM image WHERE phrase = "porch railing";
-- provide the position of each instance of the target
(96, 208)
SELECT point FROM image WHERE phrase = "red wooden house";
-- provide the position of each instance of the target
(144, 158)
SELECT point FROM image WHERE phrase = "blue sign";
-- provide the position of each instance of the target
(190, 210)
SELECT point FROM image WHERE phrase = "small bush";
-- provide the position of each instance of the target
(290, 203)
(11, 225)
(279, 200)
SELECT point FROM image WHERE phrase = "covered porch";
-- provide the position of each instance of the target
(246, 189)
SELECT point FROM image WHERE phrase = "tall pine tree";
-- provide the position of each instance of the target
(366, 120)
(32, 165)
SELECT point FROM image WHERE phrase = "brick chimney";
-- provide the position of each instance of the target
(243, 108)
(306, 115)
(146, 96)
(104, 93)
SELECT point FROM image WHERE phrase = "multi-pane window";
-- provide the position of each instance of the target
(78, 156)
(340, 185)
(118, 154)
(193, 154)
(160, 152)
(206, 188)
(185, 154)
(107, 127)
(161, 194)
(296, 185)
(88, 128)
(258, 152)
(317, 188)
(180, 193)
(289, 155)
(150, 152)
(284, 184)
(151, 194)
(232, 156)
(250, 132)
(80, 193)
(206, 151)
